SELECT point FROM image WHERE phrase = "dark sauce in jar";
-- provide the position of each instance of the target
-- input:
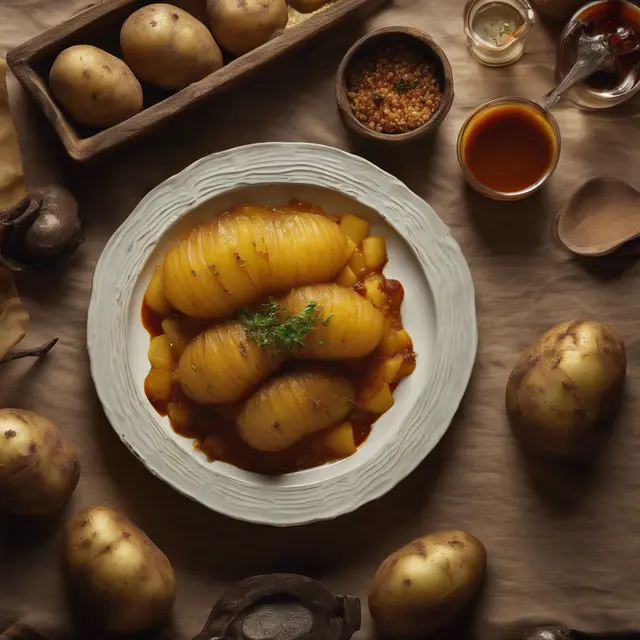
(509, 147)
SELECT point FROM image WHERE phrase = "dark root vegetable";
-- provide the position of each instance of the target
(39, 228)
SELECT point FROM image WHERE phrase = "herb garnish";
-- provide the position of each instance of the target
(274, 328)
(405, 86)
(378, 97)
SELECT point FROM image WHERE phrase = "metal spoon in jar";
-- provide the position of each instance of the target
(593, 54)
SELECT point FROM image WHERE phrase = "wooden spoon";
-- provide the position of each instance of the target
(601, 216)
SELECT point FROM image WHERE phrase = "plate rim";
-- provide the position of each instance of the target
(440, 237)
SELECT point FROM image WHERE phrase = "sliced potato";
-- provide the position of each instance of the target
(158, 385)
(393, 341)
(351, 247)
(391, 369)
(346, 278)
(154, 296)
(375, 293)
(179, 340)
(374, 249)
(339, 441)
(160, 353)
(357, 265)
(355, 228)
(179, 415)
(379, 402)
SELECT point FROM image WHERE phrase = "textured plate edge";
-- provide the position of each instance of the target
(441, 236)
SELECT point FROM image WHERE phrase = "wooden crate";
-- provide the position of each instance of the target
(100, 25)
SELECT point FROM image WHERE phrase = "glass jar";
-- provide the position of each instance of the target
(497, 30)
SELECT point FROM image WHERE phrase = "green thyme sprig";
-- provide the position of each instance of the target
(274, 328)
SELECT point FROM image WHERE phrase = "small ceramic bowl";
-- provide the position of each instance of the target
(393, 35)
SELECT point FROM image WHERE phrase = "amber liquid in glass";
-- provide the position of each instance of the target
(509, 148)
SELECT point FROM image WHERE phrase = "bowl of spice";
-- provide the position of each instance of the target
(394, 84)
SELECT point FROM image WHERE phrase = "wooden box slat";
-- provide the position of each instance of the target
(99, 25)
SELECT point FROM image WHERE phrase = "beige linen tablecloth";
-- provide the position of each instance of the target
(562, 548)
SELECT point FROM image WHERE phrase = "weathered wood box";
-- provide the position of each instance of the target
(99, 25)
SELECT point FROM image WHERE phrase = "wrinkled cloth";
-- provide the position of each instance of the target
(563, 545)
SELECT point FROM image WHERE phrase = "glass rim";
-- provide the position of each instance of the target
(509, 195)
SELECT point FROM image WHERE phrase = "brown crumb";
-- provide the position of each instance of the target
(394, 89)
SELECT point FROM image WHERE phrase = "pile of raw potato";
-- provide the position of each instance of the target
(166, 47)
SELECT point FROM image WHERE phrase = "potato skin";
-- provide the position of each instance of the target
(39, 468)
(290, 407)
(96, 88)
(112, 564)
(423, 586)
(167, 47)
(241, 26)
(564, 386)
(247, 254)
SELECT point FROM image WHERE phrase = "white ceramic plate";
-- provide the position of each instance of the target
(438, 312)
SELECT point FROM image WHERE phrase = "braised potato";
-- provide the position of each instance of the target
(247, 254)
(96, 88)
(242, 26)
(374, 250)
(339, 441)
(157, 385)
(39, 468)
(346, 278)
(293, 406)
(565, 385)
(126, 579)
(222, 365)
(348, 325)
(167, 47)
(380, 402)
(426, 584)
(354, 228)
(154, 296)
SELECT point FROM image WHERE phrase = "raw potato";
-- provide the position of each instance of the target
(96, 88)
(288, 408)
(247, 254)
(167, 47)
(307, 6)
(426, 584)
(223, 365)
(39, 468)
(565, 385)
(240, 27)
(126, 579)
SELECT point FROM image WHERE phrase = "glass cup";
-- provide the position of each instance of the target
(623, 72)
(554, 134)
(505, 50)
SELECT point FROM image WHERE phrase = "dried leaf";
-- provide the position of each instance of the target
(12, 184)
(14, 318)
